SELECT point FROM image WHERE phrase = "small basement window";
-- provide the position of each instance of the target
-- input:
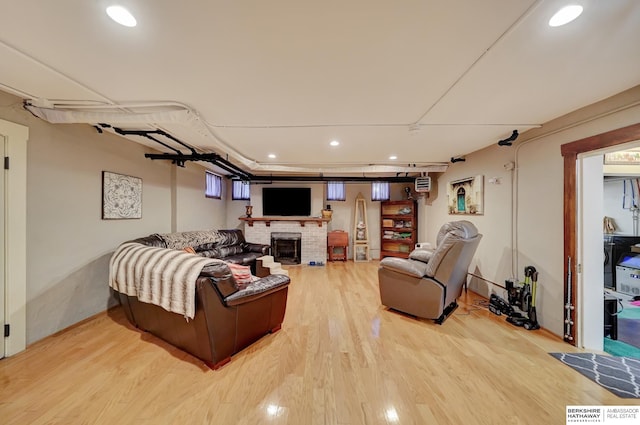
(240, 191)
(380, 191)
(336, 191)
(213, 186)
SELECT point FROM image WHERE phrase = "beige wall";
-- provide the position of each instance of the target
(235, 209)
(538, 211)
(68, 244)
(194, 211)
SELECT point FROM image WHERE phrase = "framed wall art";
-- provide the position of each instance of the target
(466, 196)
(121, 196)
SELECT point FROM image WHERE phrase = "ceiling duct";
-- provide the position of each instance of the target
(66, 116)
(152, 116)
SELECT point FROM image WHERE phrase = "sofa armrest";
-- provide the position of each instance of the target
(412, 268)
(258, 289)
(221, 278)
(257, 247)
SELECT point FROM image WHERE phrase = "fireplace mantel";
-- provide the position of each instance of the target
(302, 220)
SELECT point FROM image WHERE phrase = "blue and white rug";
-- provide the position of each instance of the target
(620, 375)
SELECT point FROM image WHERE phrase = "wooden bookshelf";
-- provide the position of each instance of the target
(398, 228)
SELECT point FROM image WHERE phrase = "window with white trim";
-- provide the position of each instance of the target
(213, 185)
(380, 191)
(336, 191)
(240, 190)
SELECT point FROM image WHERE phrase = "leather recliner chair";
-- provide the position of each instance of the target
(429, 282)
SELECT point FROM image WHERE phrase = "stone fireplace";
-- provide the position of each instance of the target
(286, 247)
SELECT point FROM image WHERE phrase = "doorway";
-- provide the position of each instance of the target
(13, 225)
(621, 176)
(574, 299)
(3, 290)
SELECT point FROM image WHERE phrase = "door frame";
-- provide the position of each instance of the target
(570, 152)
(15, 225)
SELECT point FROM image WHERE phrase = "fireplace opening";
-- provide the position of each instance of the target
(286, 247)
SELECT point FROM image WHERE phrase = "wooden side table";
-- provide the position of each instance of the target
(337, 243)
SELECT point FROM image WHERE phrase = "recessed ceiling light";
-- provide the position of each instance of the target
(121, 16)
(565, 15)
(334, 143)
(272, 155)
(392, 157)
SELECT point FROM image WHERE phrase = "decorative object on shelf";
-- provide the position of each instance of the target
(608, 225)
(361, 253)
(361, 233)
(327, 212)
(466, 196)
(248, 210)
(361, 230)
(121, 196)
(398, 234)
(407, 191)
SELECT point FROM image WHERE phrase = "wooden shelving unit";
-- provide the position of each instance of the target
(399, 228)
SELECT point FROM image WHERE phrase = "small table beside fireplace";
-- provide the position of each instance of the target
(337, 243)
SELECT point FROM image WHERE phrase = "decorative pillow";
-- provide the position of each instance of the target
(242, 274)
(189, 249)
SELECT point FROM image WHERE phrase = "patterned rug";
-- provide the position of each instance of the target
(620, 375)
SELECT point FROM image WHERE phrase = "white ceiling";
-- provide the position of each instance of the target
(288, 76)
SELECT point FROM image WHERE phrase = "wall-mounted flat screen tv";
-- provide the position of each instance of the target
(286, 201)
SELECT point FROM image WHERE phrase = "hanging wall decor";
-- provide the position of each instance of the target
(121, 196)
(466, 196)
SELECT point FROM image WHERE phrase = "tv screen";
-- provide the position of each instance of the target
(286, 201)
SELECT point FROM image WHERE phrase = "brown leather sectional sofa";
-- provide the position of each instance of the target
(227, 317)
(228, 245)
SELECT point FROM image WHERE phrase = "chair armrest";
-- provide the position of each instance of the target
(258, 289)
(409, 267)
(421, 254)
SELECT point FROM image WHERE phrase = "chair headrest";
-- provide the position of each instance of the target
(463, 229)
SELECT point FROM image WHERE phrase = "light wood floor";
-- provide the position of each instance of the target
(340, 358)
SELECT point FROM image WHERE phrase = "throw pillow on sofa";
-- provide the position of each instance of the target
(242, 274)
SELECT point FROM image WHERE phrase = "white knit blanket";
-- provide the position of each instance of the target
(160, 276)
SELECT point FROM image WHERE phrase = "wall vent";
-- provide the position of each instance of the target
(423, 184)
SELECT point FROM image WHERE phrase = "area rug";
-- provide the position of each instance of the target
(630, 311)
(620, 349)
(620, 375)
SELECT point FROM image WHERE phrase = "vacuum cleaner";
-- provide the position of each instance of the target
(523, 297)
